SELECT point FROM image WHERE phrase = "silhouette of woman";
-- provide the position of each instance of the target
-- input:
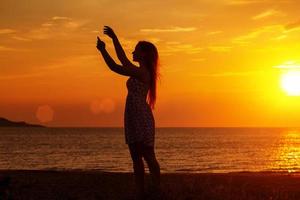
(138, 118)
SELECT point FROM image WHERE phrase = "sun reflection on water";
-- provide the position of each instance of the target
(288, 153)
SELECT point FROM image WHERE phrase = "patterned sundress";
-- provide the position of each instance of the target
(138, 117)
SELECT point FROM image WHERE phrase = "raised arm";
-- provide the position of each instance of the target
(119, 49)
(123, 70)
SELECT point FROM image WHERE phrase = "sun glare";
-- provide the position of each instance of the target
(290, 83)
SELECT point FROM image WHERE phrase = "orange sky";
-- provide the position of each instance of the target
(220, 61)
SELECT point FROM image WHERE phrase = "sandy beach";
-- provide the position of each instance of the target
(76, 184)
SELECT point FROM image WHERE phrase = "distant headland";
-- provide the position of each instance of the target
(7, 123)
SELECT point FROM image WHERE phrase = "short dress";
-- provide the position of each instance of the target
(139, 122)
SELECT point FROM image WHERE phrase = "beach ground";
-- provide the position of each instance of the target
(94, 184)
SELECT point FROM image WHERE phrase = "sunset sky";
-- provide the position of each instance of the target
(222, 61)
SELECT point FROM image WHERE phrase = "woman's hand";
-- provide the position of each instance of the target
(100, 44)
(108, 31)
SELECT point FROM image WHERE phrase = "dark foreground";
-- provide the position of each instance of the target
(87, 185)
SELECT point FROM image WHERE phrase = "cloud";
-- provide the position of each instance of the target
(56, 26)
(7, 31)
(288, 65)
(267, 13)
(4, 48)
(77, 64)
(198, 59)
(21, 38)
(47, 24)
(214, 32)
(293, 25)
(175, 29)
(173, 47)
(249, 2)
(226, 74)
(220, 48)
(74, 66)
(72, 61)
(280, 37)
(243, 2)
(72, 25)
(127, 44)
(61, 18)
(172, 42)
(20, 76)
(247, 38)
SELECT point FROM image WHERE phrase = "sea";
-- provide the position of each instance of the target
(182, 150)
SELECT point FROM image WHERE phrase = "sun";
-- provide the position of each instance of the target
(290, 83)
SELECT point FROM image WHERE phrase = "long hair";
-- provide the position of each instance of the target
(151, 61)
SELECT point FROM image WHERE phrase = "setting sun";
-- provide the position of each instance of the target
(290, 82)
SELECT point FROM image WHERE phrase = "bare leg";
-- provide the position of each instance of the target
(154, 168)
(138, 167)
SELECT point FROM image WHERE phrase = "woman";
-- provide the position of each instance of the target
(138, 118)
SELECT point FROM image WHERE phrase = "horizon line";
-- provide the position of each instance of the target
(174, 126)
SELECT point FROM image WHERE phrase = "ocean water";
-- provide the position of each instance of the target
(194, 150)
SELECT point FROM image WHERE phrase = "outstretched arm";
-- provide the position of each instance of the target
(119, 50)
(126, 71)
